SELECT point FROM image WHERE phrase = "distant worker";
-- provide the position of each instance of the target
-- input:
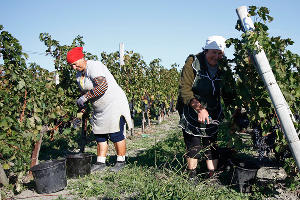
(110, 106)
(199, 104)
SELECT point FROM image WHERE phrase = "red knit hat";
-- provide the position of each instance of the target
(74, 54)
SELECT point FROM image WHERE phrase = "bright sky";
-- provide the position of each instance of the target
(165, 29)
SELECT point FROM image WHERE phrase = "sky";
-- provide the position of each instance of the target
(165, 29)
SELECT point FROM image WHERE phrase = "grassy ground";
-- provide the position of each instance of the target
(155, 170)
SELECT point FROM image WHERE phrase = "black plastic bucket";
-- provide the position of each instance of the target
(50, 176)
(245, 174)
(78, 165)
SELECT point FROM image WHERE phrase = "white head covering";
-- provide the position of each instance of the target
(215, 42)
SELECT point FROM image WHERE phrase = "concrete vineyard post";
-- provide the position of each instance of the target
(122, 54)
(278, 100)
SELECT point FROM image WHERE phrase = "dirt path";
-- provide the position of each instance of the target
(135, 144)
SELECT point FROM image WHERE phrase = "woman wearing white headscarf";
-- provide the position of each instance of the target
(199, 105)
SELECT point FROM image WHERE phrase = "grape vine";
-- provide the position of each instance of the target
(31, 101)
(252, 93)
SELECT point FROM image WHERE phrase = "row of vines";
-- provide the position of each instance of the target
(31, 101)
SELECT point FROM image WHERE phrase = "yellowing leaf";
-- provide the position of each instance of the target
(48, 85)
(31, 121)
(21, 84)
(6, 166)
(39, 127)
(261, 114)
(79, 115)
(37, 118)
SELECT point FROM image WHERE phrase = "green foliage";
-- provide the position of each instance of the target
(15, 142)
(285, 65)
(151, 85)
(30, 99)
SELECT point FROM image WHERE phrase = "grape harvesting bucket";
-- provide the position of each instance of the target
(78, 165)
(50, 176)
(244, 174)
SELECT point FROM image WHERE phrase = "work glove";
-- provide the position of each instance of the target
(81, 101)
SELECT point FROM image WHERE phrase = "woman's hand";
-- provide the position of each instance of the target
(80, 102)
(203, 116)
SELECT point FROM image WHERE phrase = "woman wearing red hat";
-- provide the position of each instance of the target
(110, 106)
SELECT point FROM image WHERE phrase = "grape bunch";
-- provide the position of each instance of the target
(132, 110)
(240, 118)
(243, 121)
(76, 122)
(264, 144)
(63, 126)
